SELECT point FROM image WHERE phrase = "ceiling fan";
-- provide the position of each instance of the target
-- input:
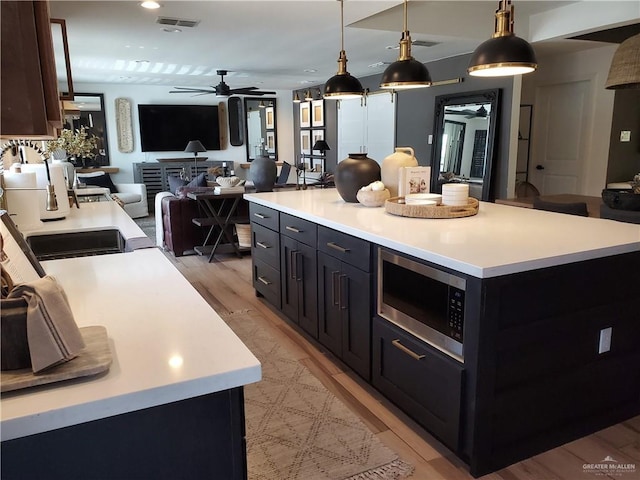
(479, 113)
(222, 89)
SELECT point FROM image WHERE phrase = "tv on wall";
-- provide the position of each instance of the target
(168, 128)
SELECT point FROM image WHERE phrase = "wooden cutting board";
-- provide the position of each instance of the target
(93, 359)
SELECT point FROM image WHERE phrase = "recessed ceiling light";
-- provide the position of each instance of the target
(310, 70)
(143, 61)
(150, 5)
(376, 65)
(171, 30)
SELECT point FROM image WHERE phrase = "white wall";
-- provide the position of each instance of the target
(144, 94)
(592, 65)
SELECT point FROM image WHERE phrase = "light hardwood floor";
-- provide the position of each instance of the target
(226, 285)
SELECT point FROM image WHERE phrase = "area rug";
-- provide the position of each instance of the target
(296, 428)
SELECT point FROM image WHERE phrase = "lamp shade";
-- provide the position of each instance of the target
(502, 56)
(625, 66)
(195, 146)
(321, 146)
(405, 74)
(343, 85)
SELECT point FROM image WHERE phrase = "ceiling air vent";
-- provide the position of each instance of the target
(177, 22)
(423, 43)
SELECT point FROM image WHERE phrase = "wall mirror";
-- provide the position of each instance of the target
(260, 127)
(464, 138)
(87, 109)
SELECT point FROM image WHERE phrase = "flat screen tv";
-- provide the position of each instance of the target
(168, 128)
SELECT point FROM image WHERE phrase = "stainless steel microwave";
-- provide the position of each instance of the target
(426, 302)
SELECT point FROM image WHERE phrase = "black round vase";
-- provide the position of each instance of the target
(263, 173)
(353, 173)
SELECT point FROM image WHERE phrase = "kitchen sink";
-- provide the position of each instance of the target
(76, 244)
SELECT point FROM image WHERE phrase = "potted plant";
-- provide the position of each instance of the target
(78, 145)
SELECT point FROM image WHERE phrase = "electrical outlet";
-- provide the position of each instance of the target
(604, 344)
(430, 139)
(625, 135)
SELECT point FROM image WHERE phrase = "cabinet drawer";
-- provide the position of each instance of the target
(265, 216)
(302, 230)
(265, 245)
(419, 379)
(266, 280)
(349, 249)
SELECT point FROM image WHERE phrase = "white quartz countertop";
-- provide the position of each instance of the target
(91, 216)
(167, 343)
(499, 240)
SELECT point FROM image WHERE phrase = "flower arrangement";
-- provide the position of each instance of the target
(77, 144)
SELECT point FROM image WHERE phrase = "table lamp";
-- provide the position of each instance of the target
(322, 146)
(195, 146)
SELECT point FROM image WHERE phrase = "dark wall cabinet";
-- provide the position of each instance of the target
(29, 87)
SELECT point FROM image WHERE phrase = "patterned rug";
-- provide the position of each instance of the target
(296, 428)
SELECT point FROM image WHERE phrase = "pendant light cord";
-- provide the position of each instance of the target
(342, 25)
(406, 23)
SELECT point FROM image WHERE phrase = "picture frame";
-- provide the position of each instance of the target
(270, 121)
(305, 142)
(271, 142)
(317, 113)
(305, 114)
(315, 136)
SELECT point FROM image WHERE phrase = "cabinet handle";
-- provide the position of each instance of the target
(335, 295)
(293, 229)
(298, 266)
(344, 292)
(263, 280)
(396, 343)
(292, 268)
(262, 245)
(335, 246)
(259, 215)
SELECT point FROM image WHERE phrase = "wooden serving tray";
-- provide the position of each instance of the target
(396, 206)
(93, 359)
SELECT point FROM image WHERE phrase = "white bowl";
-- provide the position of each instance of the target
(227, 181)
(418, 198)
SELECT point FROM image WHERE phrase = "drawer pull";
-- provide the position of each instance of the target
(265, 281)
(262, 245)
(335, 246)
(396, 343)
(259, 215)
(293, 229)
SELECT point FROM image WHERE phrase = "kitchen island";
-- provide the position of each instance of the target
(550, 314)
(171, 403)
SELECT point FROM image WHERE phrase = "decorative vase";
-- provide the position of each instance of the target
(391, 165)
(263, 173)
(353, 173)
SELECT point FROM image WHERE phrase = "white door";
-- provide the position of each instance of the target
(381, 126)
(562, 114)
(351, 127)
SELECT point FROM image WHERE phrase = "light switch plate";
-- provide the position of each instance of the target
(625, 135)
(430, 139)
(604, 344)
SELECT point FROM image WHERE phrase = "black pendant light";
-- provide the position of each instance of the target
(406, 72)
(503, 54)
(342, 84)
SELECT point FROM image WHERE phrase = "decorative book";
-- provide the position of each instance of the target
(414, 180)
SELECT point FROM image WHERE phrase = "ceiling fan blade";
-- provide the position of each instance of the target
(190, 90)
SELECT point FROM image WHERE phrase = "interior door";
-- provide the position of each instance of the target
(351, 127)
(563, 112)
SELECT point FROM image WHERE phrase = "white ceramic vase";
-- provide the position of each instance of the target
(403, 157)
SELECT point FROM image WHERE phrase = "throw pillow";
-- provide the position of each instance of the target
(175, 183)
(100, 181)
(199, 181)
